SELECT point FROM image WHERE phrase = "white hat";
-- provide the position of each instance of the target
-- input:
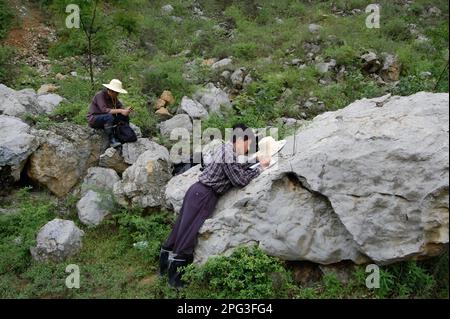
(269, 147)
(115, 85)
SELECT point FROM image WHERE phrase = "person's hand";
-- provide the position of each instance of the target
(127, 111)
(264, 161)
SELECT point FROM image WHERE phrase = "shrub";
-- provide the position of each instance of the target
(6, 17)
(7, 68)
(247, 273)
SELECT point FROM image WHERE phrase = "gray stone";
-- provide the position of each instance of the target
(65, 153)
(370, 62)
(167, 9)
(131, 151)
(111, 159)
(99, 179)
(177, 124)
(212, 98)
(143, 183)
(94, 206)
(314, 28)
(48, 102)
(193, 108)
(57, 240)
(324, 67)
(222, 64)
(237, 78)
(26, 101)
(16, 145)
(367, 183)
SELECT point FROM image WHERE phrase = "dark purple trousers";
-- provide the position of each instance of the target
(198, 204)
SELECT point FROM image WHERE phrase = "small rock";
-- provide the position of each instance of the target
(160, 103)
(57, 240)
(371, 63)
(314, 28)
(209, 62)
(247, 80)
(112, 159)
(225, 76)
(193, 108)
(163, 113)
(167, 9)
(177, 19)
(60, 77)
(99, 179)
(47, 88)
(93, 207)
(222, 64)
(237, 78)
(179, 121)
(391, 68)
(167, 97)
(212, 98)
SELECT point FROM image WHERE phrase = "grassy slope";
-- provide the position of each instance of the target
(144, 53)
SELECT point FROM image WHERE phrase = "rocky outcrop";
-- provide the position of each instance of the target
(212, 98)
(26, 101)
(57, 240)
(65, 153)
(16, 145)
(143, 183)
(366, 183)
(192, 108)
(175, 124)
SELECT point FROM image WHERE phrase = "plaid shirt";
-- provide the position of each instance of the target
(225, 172)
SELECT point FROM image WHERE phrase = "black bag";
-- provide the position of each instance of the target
(124, 133)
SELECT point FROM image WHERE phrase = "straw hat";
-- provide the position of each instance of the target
(115, 85)
(269, 147)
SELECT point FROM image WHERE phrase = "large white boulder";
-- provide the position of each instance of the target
(365, 183)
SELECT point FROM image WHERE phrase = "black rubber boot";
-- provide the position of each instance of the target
(113, 142)
(175, 272)
(163, 261)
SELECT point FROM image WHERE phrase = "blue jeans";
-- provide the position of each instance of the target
(102, 120)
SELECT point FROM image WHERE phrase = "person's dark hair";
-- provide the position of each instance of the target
(242, 131)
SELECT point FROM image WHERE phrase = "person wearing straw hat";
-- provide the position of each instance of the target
(106, 110)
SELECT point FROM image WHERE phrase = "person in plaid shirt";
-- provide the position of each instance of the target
(218, 176)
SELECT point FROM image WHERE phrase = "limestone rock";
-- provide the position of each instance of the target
(57, 240)
(65, 153)
(367, 183)
(111, 159)
(16, 145)
(179, 121)
(212, 98)
(193, 108)
(26, 101)
(94, 206)
(143, 183)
